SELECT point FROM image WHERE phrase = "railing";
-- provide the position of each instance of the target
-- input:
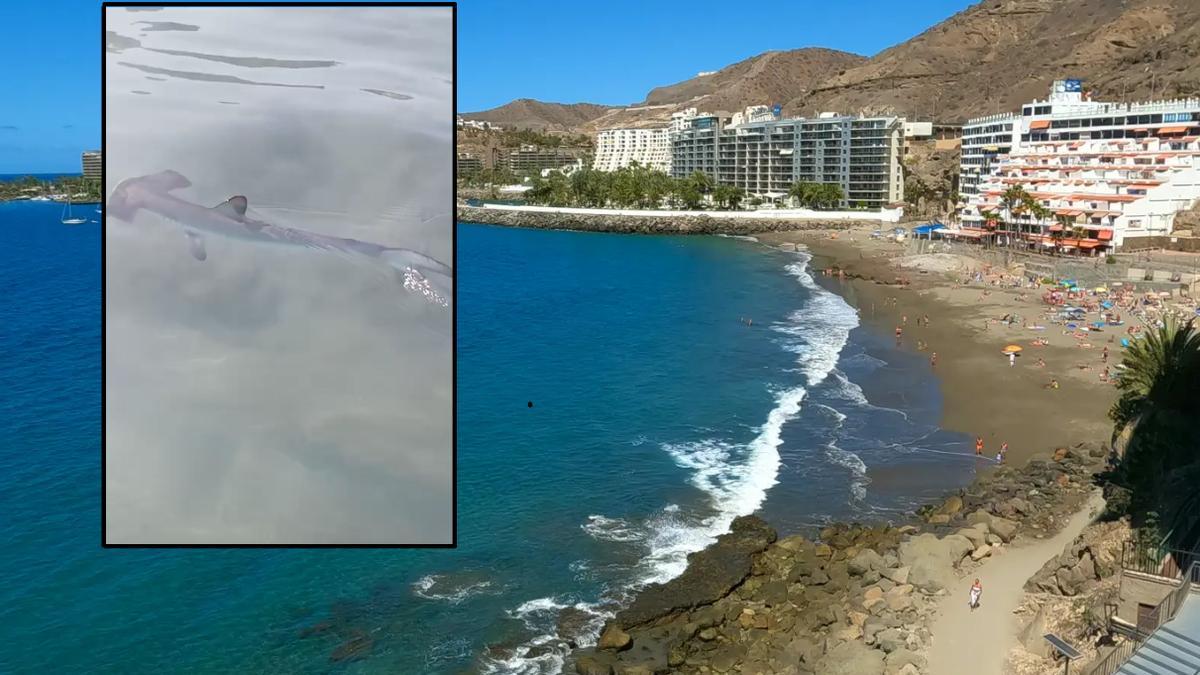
(1161, 614)
(1149, 557)
(1113, 660)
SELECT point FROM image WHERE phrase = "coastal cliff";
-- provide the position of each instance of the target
(856, 600)
(632, 224)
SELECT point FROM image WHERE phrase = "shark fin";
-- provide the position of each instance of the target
(196, 245)
(234, 207)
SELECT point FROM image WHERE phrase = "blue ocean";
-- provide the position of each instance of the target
(620, 401)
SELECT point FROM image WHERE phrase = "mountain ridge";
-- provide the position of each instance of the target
(991, 57)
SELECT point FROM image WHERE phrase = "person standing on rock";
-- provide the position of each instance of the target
(976, 591)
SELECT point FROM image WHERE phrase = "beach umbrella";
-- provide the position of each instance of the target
(1012, 349)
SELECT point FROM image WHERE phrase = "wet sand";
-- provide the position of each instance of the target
(983, 395)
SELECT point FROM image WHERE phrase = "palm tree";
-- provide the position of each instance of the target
(703, 182)
(1157, 410)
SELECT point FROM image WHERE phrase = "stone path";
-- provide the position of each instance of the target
(978, 642)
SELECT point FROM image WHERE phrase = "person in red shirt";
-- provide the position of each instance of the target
(976, 591)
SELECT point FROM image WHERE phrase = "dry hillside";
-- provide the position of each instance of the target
(998, 54)
(991, 57)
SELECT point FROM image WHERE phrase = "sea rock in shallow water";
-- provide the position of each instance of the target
(710, 574)
(357, 647)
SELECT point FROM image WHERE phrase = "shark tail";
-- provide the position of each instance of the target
(129, 195)
(421, 274)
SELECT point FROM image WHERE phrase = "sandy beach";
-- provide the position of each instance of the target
(890, 598)
(983, 395)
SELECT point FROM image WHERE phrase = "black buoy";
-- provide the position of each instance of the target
(530, 404)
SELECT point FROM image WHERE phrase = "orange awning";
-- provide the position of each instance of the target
(1172, 130)
(1088, 244)
(1039, 124)
(1104, 235)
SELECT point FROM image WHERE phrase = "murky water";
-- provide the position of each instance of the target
(258, 392)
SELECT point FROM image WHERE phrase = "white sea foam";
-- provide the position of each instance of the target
(439, 587)
(864, 359)
(858, 469)
(735, 476)
(612, 529)
(819, 331)
(847, 390)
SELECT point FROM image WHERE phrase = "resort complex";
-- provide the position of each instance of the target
(618, 148)
(1101, 173)
(764, 155)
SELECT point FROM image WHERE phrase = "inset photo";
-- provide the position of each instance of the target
(279, 276)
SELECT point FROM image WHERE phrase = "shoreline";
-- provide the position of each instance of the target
(909, 566)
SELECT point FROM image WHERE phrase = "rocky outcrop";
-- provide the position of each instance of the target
(855, 600)
(626, 224)
(710, 574)
(1093, 556)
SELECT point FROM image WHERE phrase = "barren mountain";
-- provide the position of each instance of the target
(527, 113)
(771, 77)
(991, 57)
(999, 54)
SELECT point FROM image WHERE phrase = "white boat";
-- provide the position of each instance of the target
(67, 218)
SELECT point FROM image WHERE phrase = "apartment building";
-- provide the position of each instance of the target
(533, 158)
(694, 145)
(475, 124)
(469, 164)
(1108, 171)
(618, 148)
(93, 164)
(765, 157)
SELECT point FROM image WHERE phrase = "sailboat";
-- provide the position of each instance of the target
(67, 219)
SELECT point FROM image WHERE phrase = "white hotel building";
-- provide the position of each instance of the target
(618, 148)
(1113, 171)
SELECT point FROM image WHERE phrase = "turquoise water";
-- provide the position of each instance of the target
(657, 416)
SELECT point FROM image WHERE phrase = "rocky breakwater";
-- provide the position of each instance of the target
(633, 224)
(857, 600)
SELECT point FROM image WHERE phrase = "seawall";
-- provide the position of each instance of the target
(594, 220)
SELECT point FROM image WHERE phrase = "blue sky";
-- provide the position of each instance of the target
(612, 53)
(50, 107)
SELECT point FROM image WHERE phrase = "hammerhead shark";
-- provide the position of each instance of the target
(419, 273)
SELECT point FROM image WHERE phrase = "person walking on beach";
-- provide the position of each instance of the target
(1003, 454)
(979, 445)
(933, 360)
(1012, 359)
(899, 332)
(976, 592)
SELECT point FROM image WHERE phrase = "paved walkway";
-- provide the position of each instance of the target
(978, 642)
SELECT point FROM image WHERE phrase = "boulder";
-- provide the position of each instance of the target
(898, 575)
(898, 659)
(975, 534)
(890, 640)
(930, 559)
(951, 506)
(851, 658)
(981, 552)
(590, 664)
(614, 639)
(1003, 527)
